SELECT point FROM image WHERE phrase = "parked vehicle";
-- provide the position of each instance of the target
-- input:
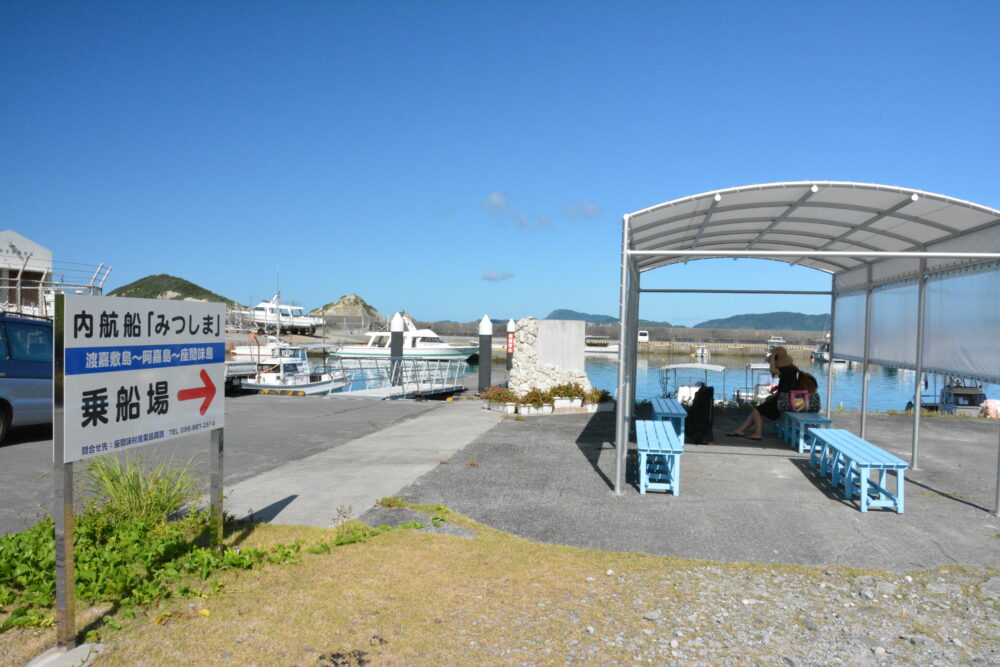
(25, 372)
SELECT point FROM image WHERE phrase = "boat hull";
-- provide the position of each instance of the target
(363, 352)
(307, 388)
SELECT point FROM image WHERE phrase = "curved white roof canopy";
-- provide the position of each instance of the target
(809, 216)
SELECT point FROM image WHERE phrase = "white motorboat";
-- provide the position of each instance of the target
(821, 352)
(600, 345)
(273, 316)
(417, 343)
(959, 398)
(702, 353)
(289, 370)
(682, 381)
(259, 347)
(758, 384)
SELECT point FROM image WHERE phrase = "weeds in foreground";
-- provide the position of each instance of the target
(129, 554)
(133, 491)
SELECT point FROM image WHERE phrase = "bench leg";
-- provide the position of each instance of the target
(825, 456)
(643, 475)
(900, 482)
(814, 450)
(863, 476)
(675, 474)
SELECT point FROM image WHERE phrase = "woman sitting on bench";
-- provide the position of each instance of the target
(788, 375)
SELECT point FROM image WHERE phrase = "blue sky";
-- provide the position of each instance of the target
(454, 158)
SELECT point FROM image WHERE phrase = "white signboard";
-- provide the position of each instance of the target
(139, 371)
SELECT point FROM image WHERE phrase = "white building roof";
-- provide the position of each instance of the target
(14, 248)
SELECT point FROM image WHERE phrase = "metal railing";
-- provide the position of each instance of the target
(32, 295)
(401, 377)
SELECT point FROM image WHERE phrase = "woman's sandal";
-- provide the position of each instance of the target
(750, 437)
(735, 434)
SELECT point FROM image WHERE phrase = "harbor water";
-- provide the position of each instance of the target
(888, 388)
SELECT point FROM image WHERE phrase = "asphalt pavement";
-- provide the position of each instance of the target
(548, 479)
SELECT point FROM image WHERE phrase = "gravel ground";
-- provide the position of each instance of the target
(726, 615)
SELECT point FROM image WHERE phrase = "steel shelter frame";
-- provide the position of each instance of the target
(798, 246)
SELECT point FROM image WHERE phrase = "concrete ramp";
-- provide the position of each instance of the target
(309, 491)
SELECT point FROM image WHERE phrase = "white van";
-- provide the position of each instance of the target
(25, 372)
(643, 336)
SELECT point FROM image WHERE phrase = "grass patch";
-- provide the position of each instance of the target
(408, 597)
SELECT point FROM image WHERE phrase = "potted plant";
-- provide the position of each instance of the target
(499, 399)
(535, 402)
(569, 395)
(598, 400)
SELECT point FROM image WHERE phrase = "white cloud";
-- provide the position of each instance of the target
(582, 209)
(495, 276)
(521, 221)
(495, 203)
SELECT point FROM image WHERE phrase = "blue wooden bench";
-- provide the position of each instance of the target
(795, 425)
(672, 410)
(850, 461)
(659, 456)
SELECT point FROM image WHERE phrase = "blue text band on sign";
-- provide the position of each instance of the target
(81, 360)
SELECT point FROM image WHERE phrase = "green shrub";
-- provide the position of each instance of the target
(536, 398)
(596, 395)
(568, 390)
(498, 395)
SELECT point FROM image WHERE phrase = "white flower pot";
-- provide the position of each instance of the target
(505, 408)
(534, 411)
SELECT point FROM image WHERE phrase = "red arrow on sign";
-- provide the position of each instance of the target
(207, 392)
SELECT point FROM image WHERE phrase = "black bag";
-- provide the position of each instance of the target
(698, 425)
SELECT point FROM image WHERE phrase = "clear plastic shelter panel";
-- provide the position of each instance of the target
(849, 325)
(962, 325)
(894, 326)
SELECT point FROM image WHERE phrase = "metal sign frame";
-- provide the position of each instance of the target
(63, 485)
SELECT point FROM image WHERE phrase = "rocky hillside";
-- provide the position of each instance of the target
(164, 286)
(350, 305)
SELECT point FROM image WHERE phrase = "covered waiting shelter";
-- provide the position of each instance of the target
(915, 276)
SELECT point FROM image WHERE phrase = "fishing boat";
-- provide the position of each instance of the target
(258, 347)
(702, 353)
(758, 384)
(961, 398)
(289, 369)
(773, 342)
(274, 316)
(821, 352)
(600, 345)
(417, 343)
(682, 381)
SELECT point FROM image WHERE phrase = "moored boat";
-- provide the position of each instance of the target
(600, 345)
(959, 398)
(289, 369)
(274, 316)
(417, 343)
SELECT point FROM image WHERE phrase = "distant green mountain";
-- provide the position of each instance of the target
(566, 314)
(779, 320)
(163, 286)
